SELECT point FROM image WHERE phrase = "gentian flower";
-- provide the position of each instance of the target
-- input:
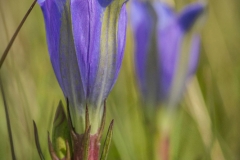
(166, 49)
(86, 40)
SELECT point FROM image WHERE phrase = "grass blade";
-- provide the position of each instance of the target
(8, 122)
(4, 55)
(37, 141)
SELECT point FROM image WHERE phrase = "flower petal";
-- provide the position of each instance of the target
(99, 47)
(169, 48)
(121, 38)
(61, 49)
(190, 14)
(193, 60)
(179, 61)
(80, 11)
(165, 14)
(52, 12)
(146, 53)
(113, 33)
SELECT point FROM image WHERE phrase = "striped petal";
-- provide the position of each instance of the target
(61, 49)
(113, 33)
(86, 16)
(99, 42)
(182, 43)
(52, 12)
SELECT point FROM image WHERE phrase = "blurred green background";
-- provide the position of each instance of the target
(205, 126)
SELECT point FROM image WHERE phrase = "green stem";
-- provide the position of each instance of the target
(8, 122)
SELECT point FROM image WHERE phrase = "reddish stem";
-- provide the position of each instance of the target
(164, 147)
(94, 146)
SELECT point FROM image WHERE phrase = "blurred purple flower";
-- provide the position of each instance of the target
(166, 49)
(86, 40)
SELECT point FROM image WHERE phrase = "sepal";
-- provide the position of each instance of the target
(37, 141)
(61, 132)
(107, 142)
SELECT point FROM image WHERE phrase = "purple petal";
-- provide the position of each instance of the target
(40, 2)
(122, 27)
(104, 3)
(169, 48)
(113, 34)
(179, 57)
(99, 48)
(81, 31)
(70, 73)
(193, 60)
(158, 68)
(165, 15)
(142, 25)
(52, 12)
(190, 14)
(61, 49)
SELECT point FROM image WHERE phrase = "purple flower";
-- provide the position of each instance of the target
(166, 48)
(86, 40)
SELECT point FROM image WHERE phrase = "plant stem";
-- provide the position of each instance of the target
(8, 122)
(4, 55)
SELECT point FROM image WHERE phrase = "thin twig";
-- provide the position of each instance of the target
(8, 122)
(4, 55)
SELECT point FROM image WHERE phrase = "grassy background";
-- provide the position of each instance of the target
(205, 126)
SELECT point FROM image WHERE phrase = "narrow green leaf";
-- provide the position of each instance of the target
(100, 131)
(107, 142)
(8, 122)
(37, 142)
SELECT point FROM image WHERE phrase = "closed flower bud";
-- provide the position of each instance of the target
(86, 40)
(166, 49)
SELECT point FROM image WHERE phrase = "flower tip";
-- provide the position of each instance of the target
(191, 14)
(40, 2)
(105, 3)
